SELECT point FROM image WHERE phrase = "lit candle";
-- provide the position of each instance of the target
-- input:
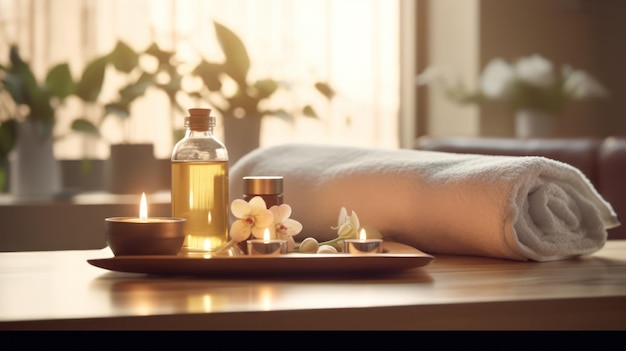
(363, 245)
(266, 246)
(144, 235)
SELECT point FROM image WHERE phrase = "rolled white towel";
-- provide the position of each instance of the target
(520, 208)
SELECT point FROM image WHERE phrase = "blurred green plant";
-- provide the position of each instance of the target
(249, 95)
(24, 98)
(136, 78)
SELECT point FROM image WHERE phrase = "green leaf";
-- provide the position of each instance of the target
(308, 111)
(92, 79)
(237, 62)
(265, 88)
(136, 89)
(59, 81)
(123, 57)
(325, 89)
(209, 73)
(82, 125)
(121, 110)
(20, 81)
(3, 177)
(283, 115)
(178, 133)
(164, 57)
(8, 134)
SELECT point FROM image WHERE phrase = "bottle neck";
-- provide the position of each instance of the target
(198, 130)
(198, 133)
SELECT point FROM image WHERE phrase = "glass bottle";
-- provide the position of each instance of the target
(200, 184)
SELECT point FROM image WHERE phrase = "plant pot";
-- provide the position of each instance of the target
(131, 169)
(534, 124)
(34, 171)
(241, 135)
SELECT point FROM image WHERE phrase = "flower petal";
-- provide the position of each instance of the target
(264, 218)
(281, 212)
(293, 227)
(239, 231)
(343, 216)
(259, 232)
(257, 202)
(240, 208)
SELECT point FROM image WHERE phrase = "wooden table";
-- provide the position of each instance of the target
(60, 290)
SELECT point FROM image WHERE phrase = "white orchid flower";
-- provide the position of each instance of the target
(347, 226)
(284, 227)
(254, 218)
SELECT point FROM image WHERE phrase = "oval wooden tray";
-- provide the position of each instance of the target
(396, 257)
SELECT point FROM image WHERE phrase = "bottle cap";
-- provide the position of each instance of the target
(263, 185)
(200, 119)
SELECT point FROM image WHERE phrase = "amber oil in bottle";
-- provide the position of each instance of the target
(200, 184)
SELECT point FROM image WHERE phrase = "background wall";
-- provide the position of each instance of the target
(583, 33)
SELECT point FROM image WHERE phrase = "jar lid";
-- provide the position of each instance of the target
(263, 185)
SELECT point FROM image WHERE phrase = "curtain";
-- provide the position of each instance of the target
(351, 44)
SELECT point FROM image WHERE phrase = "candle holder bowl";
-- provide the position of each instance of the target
(156, 237)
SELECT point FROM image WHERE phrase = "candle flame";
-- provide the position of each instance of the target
(143, 208)
(266, 234)
(362, 234)
(209, 218)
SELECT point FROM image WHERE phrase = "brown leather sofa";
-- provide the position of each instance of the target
(603, 161)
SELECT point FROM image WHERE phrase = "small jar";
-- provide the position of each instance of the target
(270, 188)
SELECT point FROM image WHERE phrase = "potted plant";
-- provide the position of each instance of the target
(531, 86)
(129, 163)
(28, 119)
(243, 109)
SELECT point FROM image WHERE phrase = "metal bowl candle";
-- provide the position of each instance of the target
(266, 246)
(143, 235)
(363, 245)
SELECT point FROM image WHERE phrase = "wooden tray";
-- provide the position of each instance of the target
(396, 257)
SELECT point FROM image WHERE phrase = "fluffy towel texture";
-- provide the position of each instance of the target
(520, 208)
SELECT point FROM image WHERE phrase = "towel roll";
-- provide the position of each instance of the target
(512, 207)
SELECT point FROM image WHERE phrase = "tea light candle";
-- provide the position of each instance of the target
(144, 235)
(363, 245)
(266, 246)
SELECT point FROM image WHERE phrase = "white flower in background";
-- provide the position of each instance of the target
(580, 85)
(536, 71)
(531, 82)
(497, 80)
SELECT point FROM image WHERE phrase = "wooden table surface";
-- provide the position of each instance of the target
(60, 290)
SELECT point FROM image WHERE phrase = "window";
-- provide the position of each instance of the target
(352, 44)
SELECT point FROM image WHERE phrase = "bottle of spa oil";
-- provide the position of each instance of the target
(200, 184)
